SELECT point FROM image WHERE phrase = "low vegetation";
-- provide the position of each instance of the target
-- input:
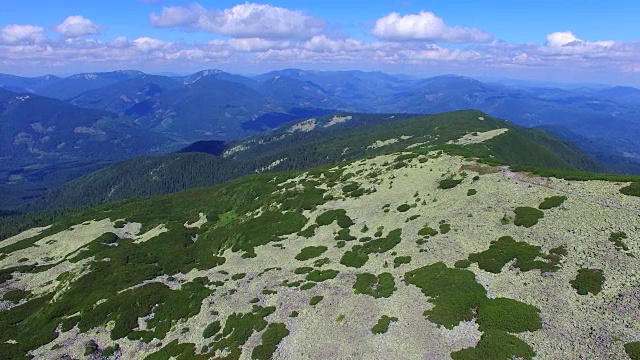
(588, 281)
(527, 216)
(382, 326)
(552, 202)
(527, 257)
(617, 238)
(449, 183)
(633, 350)
(632, 190)
(457, 297)
(310, 252)
(381, 286)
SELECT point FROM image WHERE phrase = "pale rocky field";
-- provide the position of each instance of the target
(574, 326)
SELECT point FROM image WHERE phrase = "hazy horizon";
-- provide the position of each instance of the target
(543, 41)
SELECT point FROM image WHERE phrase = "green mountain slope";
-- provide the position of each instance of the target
(320, 141)
(365, 259)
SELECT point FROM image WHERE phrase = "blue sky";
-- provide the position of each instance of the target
(567, 40)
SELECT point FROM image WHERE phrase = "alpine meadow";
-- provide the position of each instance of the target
(319, 181)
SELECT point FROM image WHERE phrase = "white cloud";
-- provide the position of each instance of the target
(566, 43)
(248, 20)
(321, 43)
(425, 26)
(120, 42)
(29, 34)
(257, 44)
(146, 44)
(76, 26)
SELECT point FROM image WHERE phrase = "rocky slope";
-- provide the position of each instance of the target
(415, 254)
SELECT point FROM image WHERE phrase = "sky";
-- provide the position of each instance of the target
(561, 41)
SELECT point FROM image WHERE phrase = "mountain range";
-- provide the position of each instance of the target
(452, 236)
(74, 125)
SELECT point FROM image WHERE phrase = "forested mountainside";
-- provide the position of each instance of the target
(319, 141)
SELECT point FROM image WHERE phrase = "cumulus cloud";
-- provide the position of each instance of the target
(425, 26)
(76, 26)
(321, 43)
(565, 42)
(248, 20)
(29, 34)
(146, 44)
(119, 42)
(257, 44)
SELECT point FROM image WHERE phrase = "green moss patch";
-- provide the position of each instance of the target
(401, 260)
(321, 275)
(339, 215)
(506, 249)
(588, 281)
(454, 293)
(238, 276)
(527, 216)
(315, 300)
(458, 297)
(310, 252)
(270, 340)
(471, 192)
(448, 183)
(345, 235)
(403, 208)
(427, 231)
(552, 202)
(355, 258)
(382, 326)
(444, 228)
(303, 270)
(381, 245)
(633, 350)
(496, 345)
(508, 315)
(379, 286)
(617, 239)
(632, 190)
(211, 329)
(15, 296)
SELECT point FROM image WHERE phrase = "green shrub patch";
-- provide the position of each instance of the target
(310, 252)
(633, 350)
(551, 202)
(321, 275)
(339, 215)
(496, 345)
(448, 183)
(427, 231)
(508, 315)
(505, 249)
(379, 286)
(457, 297)
(355, 258)
(588, 281)
(617, 239)
(632, 190)
(382, 326)
(315, 300)
(401, 260)
(527, 216)
(270, 340)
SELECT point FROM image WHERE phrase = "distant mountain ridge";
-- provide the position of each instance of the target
(315, 142)
(155, 114)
